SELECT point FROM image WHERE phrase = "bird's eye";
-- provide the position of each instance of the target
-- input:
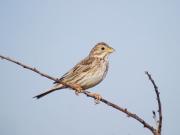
(102, 48)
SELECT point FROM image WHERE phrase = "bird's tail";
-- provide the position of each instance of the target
(56, 87)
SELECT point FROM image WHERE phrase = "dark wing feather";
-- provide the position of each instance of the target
(78, 68)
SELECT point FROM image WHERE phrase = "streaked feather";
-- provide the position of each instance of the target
(87, 73)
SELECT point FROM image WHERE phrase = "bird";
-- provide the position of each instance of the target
(86, 74)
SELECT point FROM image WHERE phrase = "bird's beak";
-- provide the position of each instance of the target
(110, 50)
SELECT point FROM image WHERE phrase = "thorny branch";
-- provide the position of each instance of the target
(158, 100)
(124, 110)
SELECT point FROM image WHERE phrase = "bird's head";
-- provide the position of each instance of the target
(101, 50)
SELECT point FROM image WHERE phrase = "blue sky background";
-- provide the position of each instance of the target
(53, 35)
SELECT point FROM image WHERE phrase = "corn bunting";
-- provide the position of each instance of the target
(87, 73)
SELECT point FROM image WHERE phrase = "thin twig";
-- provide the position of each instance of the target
(28, 67)
(121, 109)
(158, 100)
(124, 110)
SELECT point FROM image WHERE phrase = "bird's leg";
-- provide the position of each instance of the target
(97, 97)
(78, 89)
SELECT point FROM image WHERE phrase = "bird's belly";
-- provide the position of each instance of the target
(93, 79)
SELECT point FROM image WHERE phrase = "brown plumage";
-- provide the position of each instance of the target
(87, 73)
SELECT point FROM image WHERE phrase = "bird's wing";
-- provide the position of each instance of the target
(81, 67)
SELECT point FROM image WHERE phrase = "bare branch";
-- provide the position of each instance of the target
(128, 113)
(28, 67)
(158, 100)
(121, 109)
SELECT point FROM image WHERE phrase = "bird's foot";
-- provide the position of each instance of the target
(97, 97)
(78, 89)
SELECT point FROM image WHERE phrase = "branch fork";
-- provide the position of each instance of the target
(155, 131)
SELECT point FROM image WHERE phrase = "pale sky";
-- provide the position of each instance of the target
(53, 35)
